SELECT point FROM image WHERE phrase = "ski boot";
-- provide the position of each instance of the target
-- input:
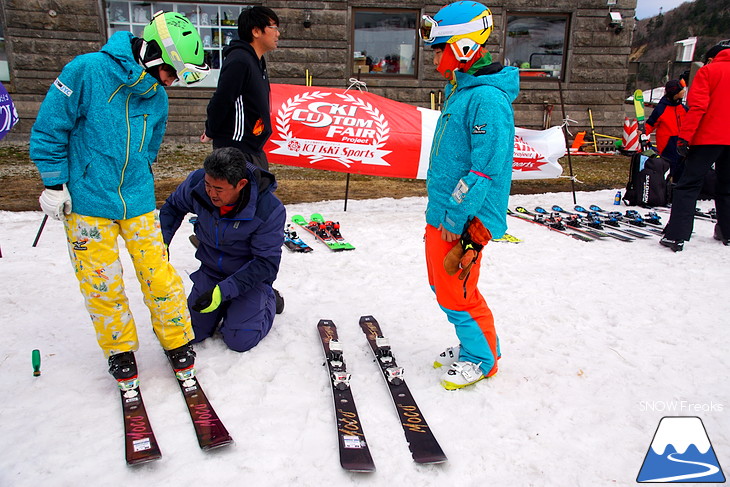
(674, 245)
(447, 357)
(461, 374)
(123, 367)
(183, 361)
(279, 302)
(717, 235)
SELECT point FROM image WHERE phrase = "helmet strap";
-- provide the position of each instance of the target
(150, 54)
(452, 60)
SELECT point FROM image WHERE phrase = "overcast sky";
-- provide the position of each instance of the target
(650, 8)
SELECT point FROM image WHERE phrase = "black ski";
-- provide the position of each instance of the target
(550, 224)
(592, 222)
(208, 427)
(354, 451)
(420, 438)
(612, 220)
(140, 444)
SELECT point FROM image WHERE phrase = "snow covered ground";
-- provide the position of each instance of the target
(600, 340)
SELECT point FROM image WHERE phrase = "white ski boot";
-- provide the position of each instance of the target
(461, 374)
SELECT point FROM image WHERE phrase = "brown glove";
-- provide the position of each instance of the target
(465, 253)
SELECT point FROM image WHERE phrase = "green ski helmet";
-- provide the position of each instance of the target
(179, 45)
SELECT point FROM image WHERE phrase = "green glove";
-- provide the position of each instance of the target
(208, 301)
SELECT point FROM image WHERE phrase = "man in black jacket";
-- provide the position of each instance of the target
(239, 112)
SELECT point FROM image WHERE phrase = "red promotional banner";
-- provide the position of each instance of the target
(345, 131)
(362, 133)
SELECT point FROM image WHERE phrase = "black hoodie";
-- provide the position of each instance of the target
(238, 111)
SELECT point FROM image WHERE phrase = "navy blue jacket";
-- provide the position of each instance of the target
(240, 249)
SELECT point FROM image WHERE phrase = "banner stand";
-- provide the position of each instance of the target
(567, 143)
(347, 189)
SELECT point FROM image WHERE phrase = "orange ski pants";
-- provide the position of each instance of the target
(464, 305)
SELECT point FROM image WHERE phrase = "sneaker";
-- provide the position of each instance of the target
(279, 302)
(123, 367)
(448, 356)
(183, 361)
(717, 235)
(461, 374)
(675, 245)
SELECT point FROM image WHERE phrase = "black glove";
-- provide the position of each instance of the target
(682, 147)
(208, 301)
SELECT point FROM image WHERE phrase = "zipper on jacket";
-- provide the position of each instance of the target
(129, 141)
(126, 159)
(437, 138)
(144, 131)
(218, 244)
(447, 116)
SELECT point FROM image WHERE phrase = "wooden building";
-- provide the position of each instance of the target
(581, 45)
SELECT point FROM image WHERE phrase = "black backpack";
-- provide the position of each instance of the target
(648, 181)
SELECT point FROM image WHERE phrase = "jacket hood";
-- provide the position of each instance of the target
(259, 183)
(722, 56)
(238, 44)
(131, 73)
(671, 101)
(506, 79)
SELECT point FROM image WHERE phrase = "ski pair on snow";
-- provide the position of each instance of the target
(293, 242)
(326, 231)
(354, 450)
(140, 442)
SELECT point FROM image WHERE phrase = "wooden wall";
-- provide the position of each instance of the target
(43, 35)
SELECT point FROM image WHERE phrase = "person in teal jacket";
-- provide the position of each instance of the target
(468, 180)
(95, 138)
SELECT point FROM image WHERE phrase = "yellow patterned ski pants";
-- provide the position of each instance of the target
(94, 251)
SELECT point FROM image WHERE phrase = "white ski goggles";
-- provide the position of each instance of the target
(430, 29)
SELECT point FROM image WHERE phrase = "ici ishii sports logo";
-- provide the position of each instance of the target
(680, 452)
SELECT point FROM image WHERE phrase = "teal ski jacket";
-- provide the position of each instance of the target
(470, 167)
(98, 131)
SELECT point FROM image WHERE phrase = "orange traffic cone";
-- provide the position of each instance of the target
(578, 141)
(630, 137)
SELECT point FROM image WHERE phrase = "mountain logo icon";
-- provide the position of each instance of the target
(680, 452)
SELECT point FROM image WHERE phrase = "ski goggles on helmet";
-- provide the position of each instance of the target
(191, 73)
(430, 29)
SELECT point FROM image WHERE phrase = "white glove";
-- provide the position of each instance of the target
(56, 203)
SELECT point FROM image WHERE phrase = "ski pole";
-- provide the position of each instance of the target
(40, 229)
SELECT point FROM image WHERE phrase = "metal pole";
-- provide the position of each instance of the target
(347, 189)
(40, 230)
(565, 136)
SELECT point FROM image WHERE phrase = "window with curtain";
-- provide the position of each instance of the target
(536, 44)
(385, 42)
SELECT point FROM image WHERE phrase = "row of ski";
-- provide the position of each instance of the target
(593, 223)
(141, 445)
(354, 451)
(324, 231)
